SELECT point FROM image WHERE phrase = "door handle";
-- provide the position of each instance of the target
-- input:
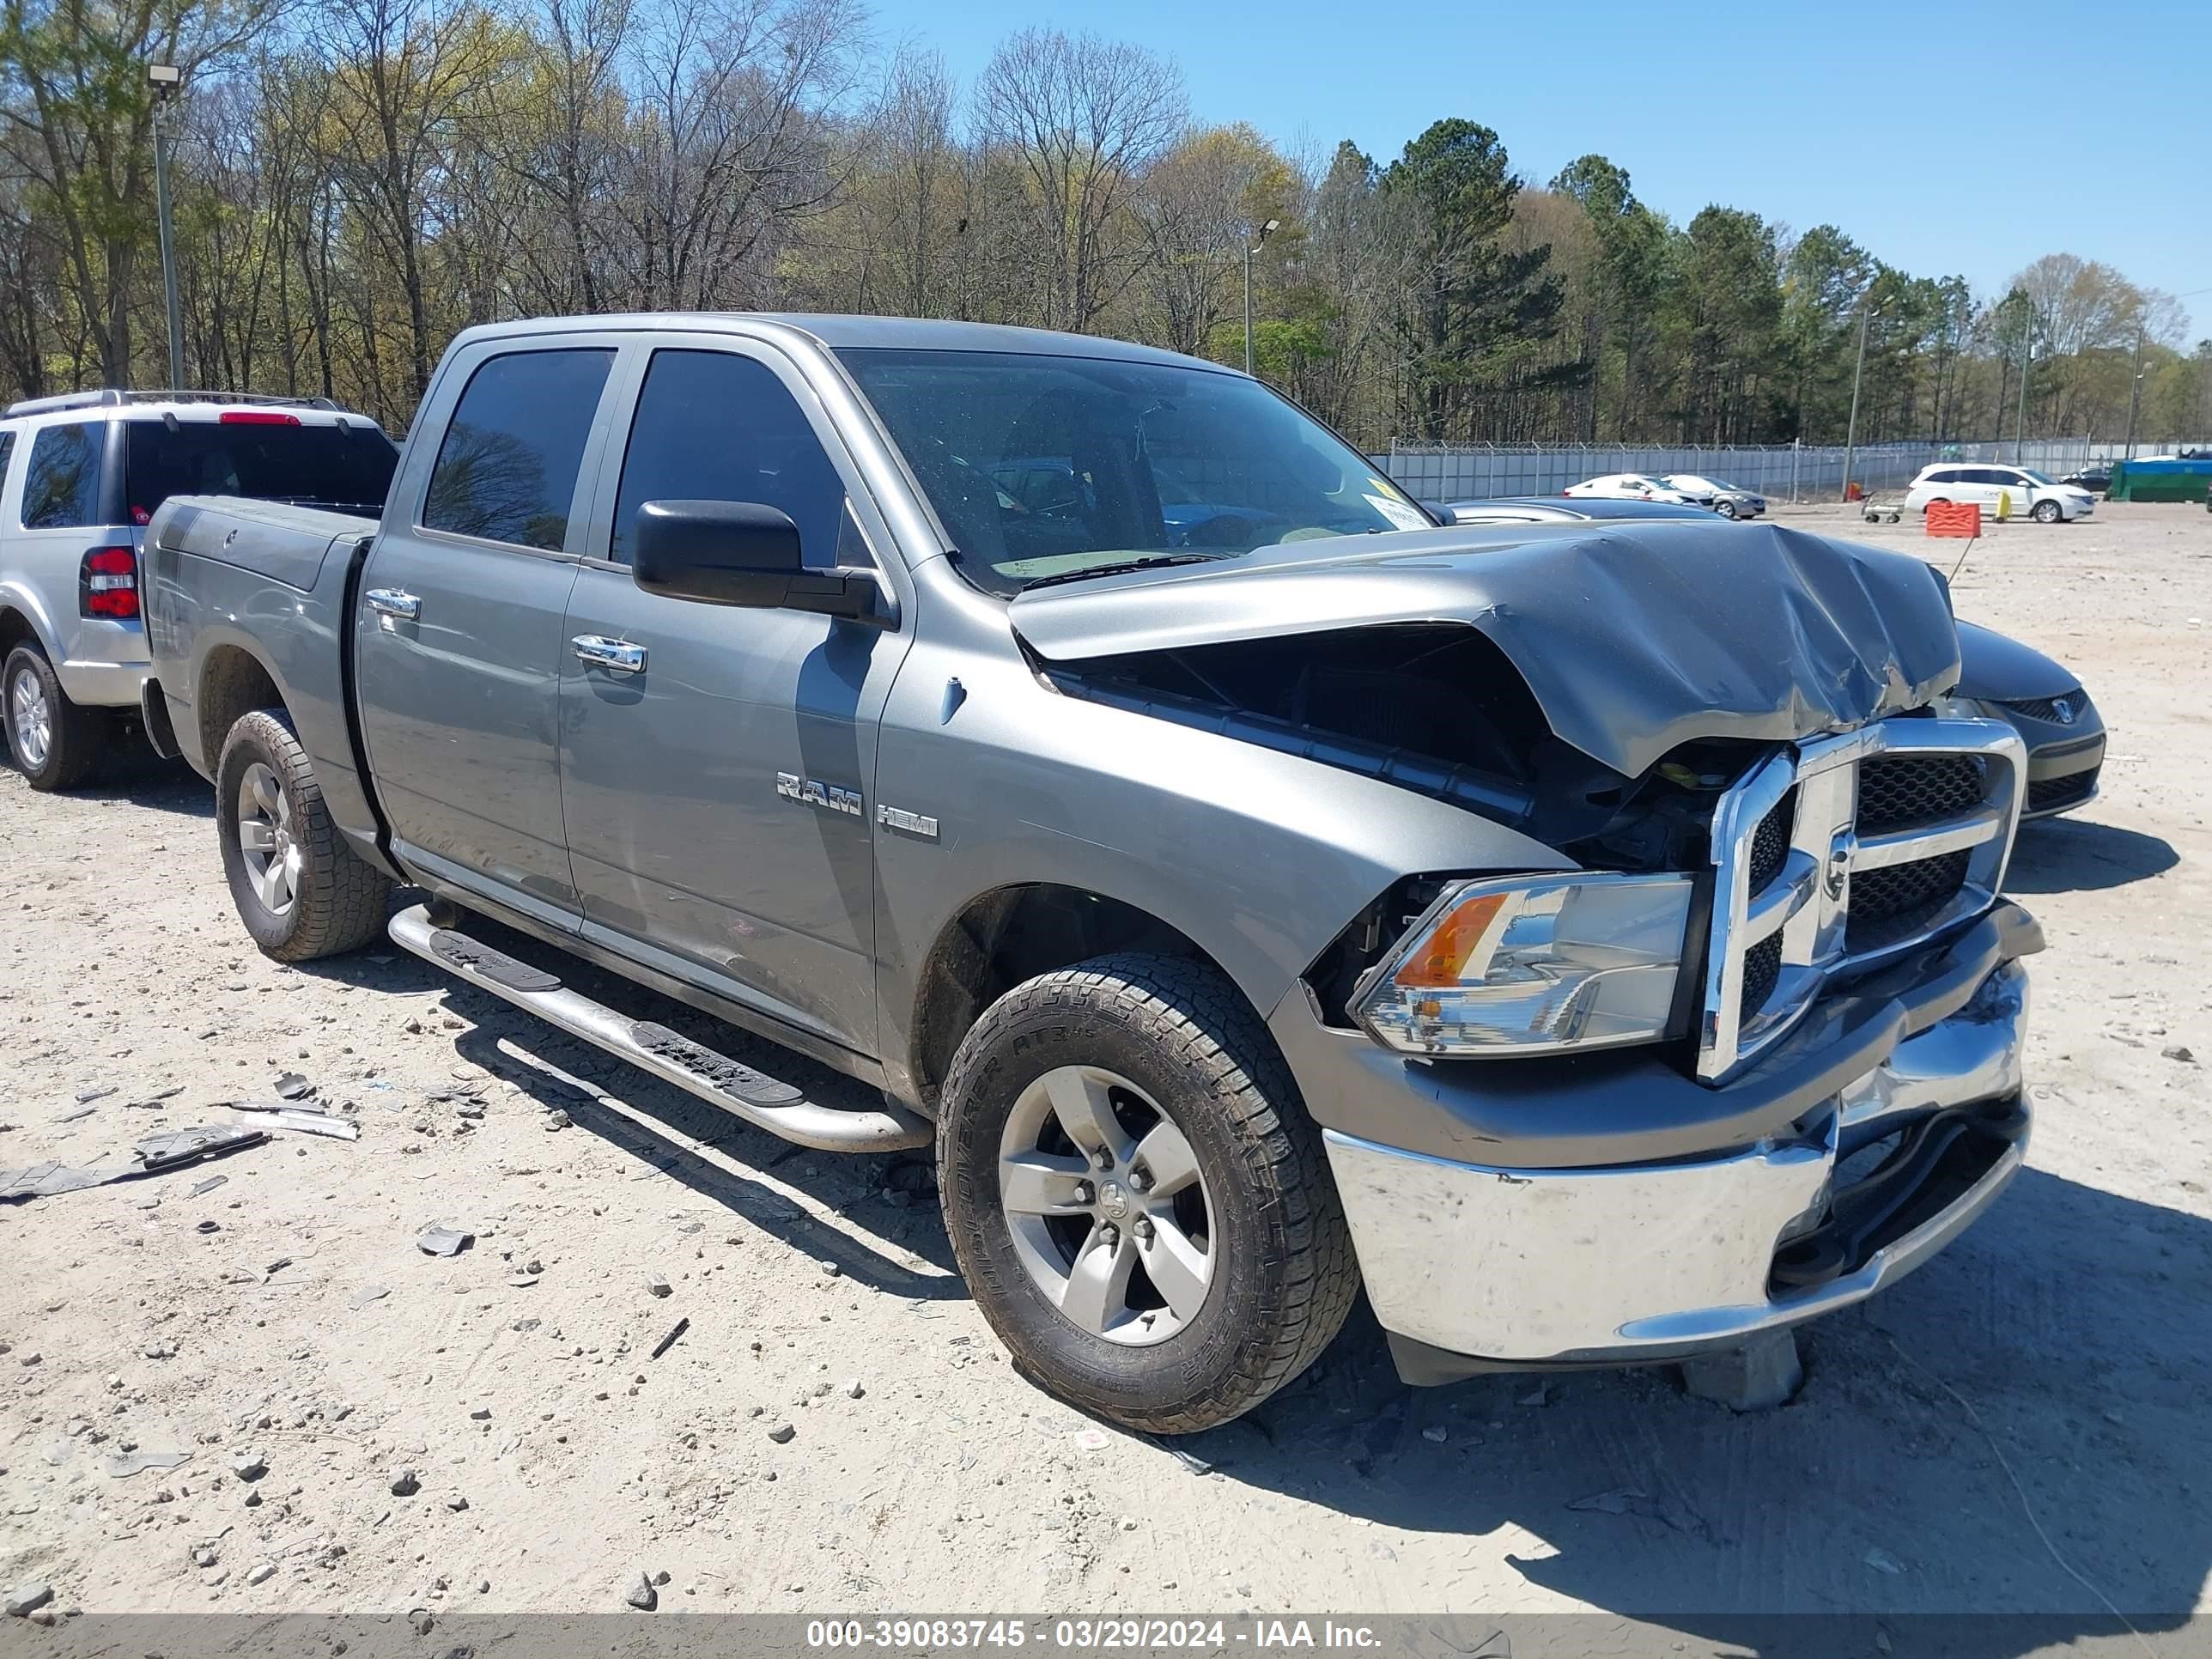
(395, 602)
(615, 656)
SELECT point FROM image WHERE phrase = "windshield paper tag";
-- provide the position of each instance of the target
(1405, 517)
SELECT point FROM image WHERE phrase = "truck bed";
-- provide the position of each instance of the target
(267, 602)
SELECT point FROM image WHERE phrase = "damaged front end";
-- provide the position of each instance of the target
(1785, 908)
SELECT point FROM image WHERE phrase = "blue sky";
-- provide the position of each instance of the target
(1965, 135)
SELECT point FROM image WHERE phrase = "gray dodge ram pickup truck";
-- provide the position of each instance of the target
(1585, 938)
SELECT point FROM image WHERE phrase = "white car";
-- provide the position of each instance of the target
(80, 475)
(1729, 500)
(1636, 487)
(1983, 484)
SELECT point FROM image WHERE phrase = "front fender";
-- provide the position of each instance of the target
(1259, 857)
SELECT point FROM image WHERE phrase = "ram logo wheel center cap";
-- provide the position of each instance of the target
(1113, 1200)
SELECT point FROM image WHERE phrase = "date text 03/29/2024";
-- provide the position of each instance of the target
(1090, 1635)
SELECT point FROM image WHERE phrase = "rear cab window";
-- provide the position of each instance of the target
(61, 484)
(266, 455)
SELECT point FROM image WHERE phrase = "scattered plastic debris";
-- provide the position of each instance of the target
(172, 1147)
(443, 1240)
(292, 1087)
(366, 1294)
(53, 1177)
(1090, 1440)
(1633, 1500)
(123, 1465)
(209, 1185)
(86, 1097)
(305, 1120)
(668, 1340)
(72, 1116)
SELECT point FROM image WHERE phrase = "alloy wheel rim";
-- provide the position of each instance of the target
(265, 839)
(1108, 1210)
(33, 722)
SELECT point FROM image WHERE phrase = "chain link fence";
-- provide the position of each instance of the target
(1782, 472)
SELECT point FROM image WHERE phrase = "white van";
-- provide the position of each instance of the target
(1981, 484)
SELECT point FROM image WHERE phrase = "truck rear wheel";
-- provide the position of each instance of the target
(299, 889)
(57, 743)
(1136, 1197)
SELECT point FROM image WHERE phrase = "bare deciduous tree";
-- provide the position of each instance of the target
(1084, 119)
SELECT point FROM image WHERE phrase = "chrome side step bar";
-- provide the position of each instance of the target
(773, 1105)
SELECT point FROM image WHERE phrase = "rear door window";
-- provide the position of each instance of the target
(61, 487)
(266, 455)
(507, 468)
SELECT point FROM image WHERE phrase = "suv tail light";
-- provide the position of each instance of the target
(107, 584)
(256, 417)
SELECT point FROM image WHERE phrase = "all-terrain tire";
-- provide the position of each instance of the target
(74, 737)
(1284, 1276)
(338, 901)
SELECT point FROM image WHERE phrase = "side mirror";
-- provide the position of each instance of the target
(746, 554)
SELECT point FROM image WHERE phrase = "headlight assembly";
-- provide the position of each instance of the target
(1953, 707)
(1532, 964)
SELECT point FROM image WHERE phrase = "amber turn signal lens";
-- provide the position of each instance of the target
(1442, 958)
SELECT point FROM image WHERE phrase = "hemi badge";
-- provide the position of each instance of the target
(898, 817)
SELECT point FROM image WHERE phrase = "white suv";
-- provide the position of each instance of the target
(80, 476)
(1981, 485)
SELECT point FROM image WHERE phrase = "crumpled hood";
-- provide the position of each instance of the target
(1634, 638)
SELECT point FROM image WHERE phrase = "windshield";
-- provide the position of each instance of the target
(1049, 468)
(2034, 477)
(322, 465)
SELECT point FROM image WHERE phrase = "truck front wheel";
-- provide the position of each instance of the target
(1137, 1198)
(299, 889)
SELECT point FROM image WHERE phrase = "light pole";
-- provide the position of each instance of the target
(2135, 393)
(1858, 371)
(1251, 248)
(2020, 422)
(165, 80)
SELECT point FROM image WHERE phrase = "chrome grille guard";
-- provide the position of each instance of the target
(1808, 902)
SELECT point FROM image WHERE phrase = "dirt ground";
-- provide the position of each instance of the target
(2019, 1426)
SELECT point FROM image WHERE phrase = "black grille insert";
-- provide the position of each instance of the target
(1898, 790)
(2049, 794)
(1898, 899)
(1762, 968)
(2046, 709)
(1770, 842)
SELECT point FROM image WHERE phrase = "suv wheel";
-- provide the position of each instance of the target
(1137, 1198)
(2048, 513)
(299, 889)
(57, 744)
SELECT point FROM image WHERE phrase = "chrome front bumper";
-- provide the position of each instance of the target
(1655, 1261)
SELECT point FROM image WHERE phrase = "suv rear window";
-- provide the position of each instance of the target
(268, 461)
